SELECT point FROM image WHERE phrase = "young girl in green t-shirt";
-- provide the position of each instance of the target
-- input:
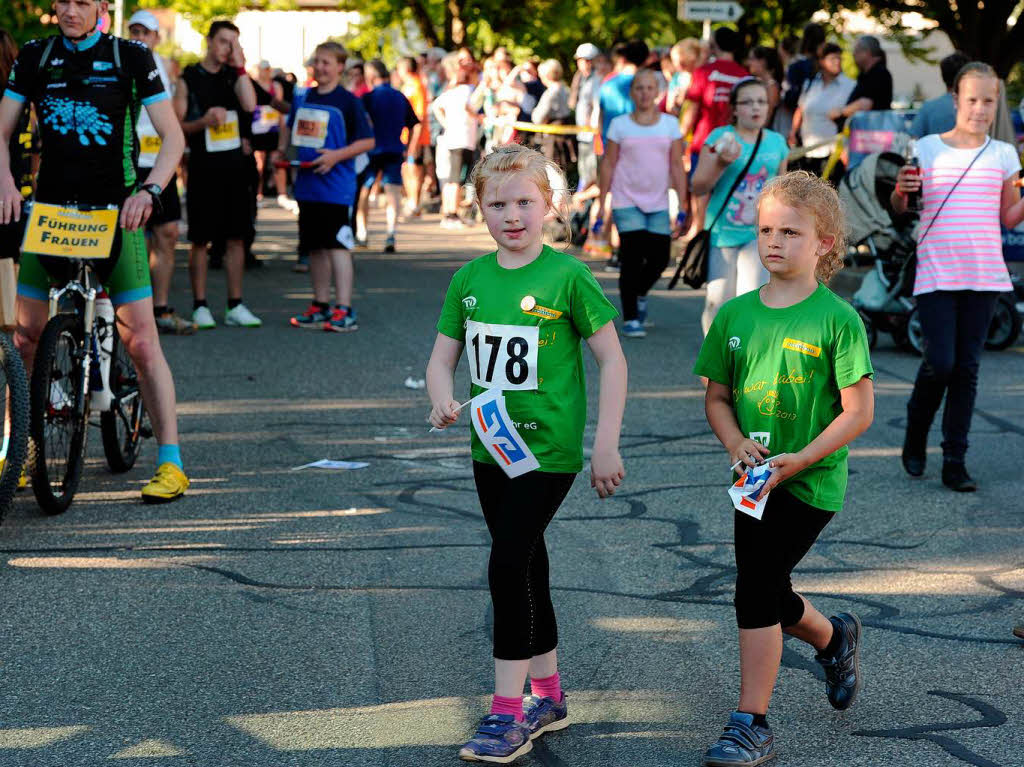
(521, 313)
(789, 382)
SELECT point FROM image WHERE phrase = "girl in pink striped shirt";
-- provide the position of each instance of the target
(967, 189)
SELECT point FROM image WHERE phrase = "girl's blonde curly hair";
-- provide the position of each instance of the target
(509, 159)
(805, 191)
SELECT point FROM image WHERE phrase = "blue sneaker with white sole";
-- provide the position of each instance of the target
(499, 739)
(742, 744)
(545, 714)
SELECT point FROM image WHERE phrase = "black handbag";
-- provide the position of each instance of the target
(693, 266)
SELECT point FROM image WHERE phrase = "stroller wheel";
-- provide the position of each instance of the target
(869, 328)
(1006, 323)
(915, 336)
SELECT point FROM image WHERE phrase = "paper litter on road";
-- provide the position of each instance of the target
(328, 464)
(415, 383)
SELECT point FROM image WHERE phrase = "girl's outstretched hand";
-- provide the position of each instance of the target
(783, 466)
(442, 415)
(606, 472)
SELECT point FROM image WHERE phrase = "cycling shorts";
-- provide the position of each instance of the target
(125, 276)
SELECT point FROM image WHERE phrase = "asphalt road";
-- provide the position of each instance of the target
(327, 617)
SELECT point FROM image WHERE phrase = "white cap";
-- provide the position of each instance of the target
(587, 51)
(145, 19)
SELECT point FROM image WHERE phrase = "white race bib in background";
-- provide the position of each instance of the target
(224, 137)
(310, 128)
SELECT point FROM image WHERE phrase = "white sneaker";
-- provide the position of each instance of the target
(241, 317)
(202, 318)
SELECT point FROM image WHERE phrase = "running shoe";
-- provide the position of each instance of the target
(955, 477)
(499, 738)
(341, 321)
(389, 244)
(842, 670)
(545, 714)
(742, 744)
(241, 317)
(202, 318)
(314, 317)
(169, 323)
(1018, 631)
(633, 329)
(168, 484)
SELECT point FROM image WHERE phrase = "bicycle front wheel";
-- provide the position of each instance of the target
(122, 426)
(59, 413)
(14, 398)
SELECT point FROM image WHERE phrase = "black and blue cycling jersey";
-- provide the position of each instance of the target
(87, 97)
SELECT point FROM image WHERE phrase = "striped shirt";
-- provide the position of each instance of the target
(963, 249)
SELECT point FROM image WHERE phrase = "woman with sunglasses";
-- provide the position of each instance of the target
(733, 264)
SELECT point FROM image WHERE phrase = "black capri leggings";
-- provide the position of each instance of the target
(643, 256)
(517, 512)
(767, 550)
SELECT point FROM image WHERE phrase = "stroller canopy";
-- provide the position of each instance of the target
(864, 193)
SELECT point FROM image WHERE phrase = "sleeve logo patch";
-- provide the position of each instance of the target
(801, 346)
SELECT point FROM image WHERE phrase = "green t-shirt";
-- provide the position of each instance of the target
(785, 368)
(522, 330)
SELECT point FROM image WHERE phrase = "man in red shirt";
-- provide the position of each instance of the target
(707, 104)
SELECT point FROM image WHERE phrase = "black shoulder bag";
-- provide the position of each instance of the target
(693, 266)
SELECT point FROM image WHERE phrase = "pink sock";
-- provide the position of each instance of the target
(547, 687)
(514, 706)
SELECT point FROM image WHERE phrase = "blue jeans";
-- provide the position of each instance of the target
(954, 324)
(633, 219)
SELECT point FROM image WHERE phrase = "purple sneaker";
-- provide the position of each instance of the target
(499, 738)
(545, 714)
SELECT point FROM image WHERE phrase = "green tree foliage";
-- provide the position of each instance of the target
(201, 12)
(22, 18)
(981, 29)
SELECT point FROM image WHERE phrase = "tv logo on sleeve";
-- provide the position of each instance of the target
(499, 436)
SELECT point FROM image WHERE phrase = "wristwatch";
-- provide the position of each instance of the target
(154, 191)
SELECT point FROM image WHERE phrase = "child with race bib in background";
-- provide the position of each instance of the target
(521, 312)
(789, 382)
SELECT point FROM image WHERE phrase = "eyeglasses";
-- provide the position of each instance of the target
(752, 102)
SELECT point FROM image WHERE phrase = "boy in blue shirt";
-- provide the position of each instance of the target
(329, 127)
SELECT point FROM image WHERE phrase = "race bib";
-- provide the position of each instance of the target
(502, 356)
(310, 129)
(225, 137)
(265, 121)
(499, 435)
(53, 230)
(149, 145)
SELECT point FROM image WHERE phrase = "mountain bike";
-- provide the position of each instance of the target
(81, 367)
(15, 403)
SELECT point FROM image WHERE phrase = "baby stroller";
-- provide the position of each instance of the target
(887, 242)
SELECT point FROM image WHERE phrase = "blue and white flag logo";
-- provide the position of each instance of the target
(497, 433)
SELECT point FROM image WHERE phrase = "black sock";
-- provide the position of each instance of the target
(233, 302)
(833, 643)
(199, 302)
(322, 305)
(760, 720)
(159, 310)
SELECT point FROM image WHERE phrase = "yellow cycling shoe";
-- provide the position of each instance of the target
(168, 484)
(22, 478)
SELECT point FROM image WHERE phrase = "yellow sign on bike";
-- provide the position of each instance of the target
(55, 230)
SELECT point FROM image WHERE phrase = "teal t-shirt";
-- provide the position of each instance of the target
(522, 330)
(736, 225)
(785, 368)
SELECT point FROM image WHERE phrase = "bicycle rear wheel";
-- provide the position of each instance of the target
(59, 413)
(14, 400)
(123, 426)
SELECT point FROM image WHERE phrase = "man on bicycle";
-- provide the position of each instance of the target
(87, 88)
